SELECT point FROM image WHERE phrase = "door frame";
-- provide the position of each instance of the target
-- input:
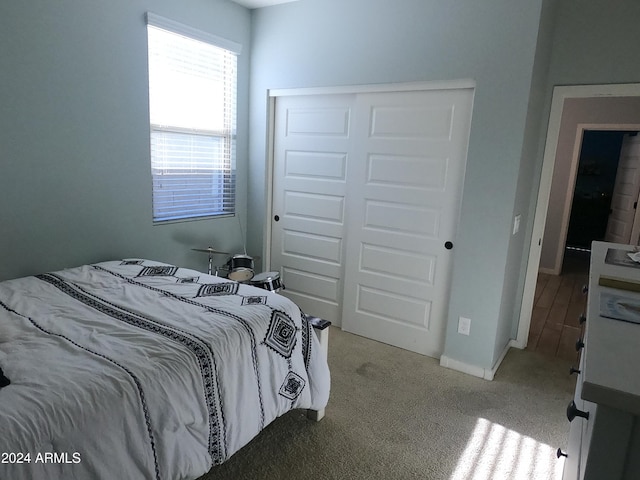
(272, 96)
(560, 94)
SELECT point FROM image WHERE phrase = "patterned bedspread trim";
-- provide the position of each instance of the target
(198, 347)
(211, 309)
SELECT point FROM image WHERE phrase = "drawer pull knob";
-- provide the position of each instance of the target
(560, 453)
(573, 412)
(573, 370)
(582, 318)
(579, 345)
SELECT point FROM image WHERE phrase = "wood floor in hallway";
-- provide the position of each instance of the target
(559, 302)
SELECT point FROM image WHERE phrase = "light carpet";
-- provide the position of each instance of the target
(394, 414)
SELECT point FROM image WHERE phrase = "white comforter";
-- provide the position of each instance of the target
(139, 370)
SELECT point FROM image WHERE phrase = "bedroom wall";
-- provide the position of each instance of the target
(74, 134)
(596, 43)
(337, 42)
(526, 193)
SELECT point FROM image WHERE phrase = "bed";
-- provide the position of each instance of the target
(141, 370)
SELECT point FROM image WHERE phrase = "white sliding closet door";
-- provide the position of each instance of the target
(311, 143)
(366, 192)
(404, 200)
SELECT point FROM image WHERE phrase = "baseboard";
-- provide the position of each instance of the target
(485, 373)
(461, 366)
(548, 271)
(517, 344)
(512, 343)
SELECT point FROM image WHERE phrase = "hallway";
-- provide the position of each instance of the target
(558, 304)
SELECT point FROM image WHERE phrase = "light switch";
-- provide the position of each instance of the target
(516, 224)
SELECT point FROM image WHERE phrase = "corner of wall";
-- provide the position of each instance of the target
(476, 371)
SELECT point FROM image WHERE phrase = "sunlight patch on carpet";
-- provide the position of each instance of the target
(494, 451)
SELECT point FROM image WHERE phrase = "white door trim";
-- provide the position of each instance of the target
(375, 88)
(269, 159)
(560, 94)
(272, 95)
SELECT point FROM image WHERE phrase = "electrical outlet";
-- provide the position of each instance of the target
(464, 326)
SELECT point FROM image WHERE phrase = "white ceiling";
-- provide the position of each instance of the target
(261, 3)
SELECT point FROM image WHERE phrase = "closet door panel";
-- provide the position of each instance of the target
(311, 144)
(405, 185)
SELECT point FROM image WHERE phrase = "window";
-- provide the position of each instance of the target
(192, 106)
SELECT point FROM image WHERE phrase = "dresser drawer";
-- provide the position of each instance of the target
(572, 460)
(607, 440)
(587, 433)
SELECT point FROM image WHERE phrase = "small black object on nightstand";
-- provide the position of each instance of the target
(317, 322)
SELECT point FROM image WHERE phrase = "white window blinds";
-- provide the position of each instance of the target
(192, 106)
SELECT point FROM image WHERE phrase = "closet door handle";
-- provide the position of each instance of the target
(448, 245)
(276, 218)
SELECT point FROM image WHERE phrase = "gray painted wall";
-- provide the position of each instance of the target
(532, 150)
(74, 134)
(596, 42)
(337, 42)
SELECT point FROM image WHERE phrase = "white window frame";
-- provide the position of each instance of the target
(193, 163)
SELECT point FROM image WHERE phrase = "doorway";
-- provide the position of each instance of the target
(597, 104)
(563, 183)
(593, 193)
(559, 300)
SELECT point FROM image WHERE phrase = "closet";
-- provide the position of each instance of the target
(366, 192)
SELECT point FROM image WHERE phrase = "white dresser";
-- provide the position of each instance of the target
(606, 445)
